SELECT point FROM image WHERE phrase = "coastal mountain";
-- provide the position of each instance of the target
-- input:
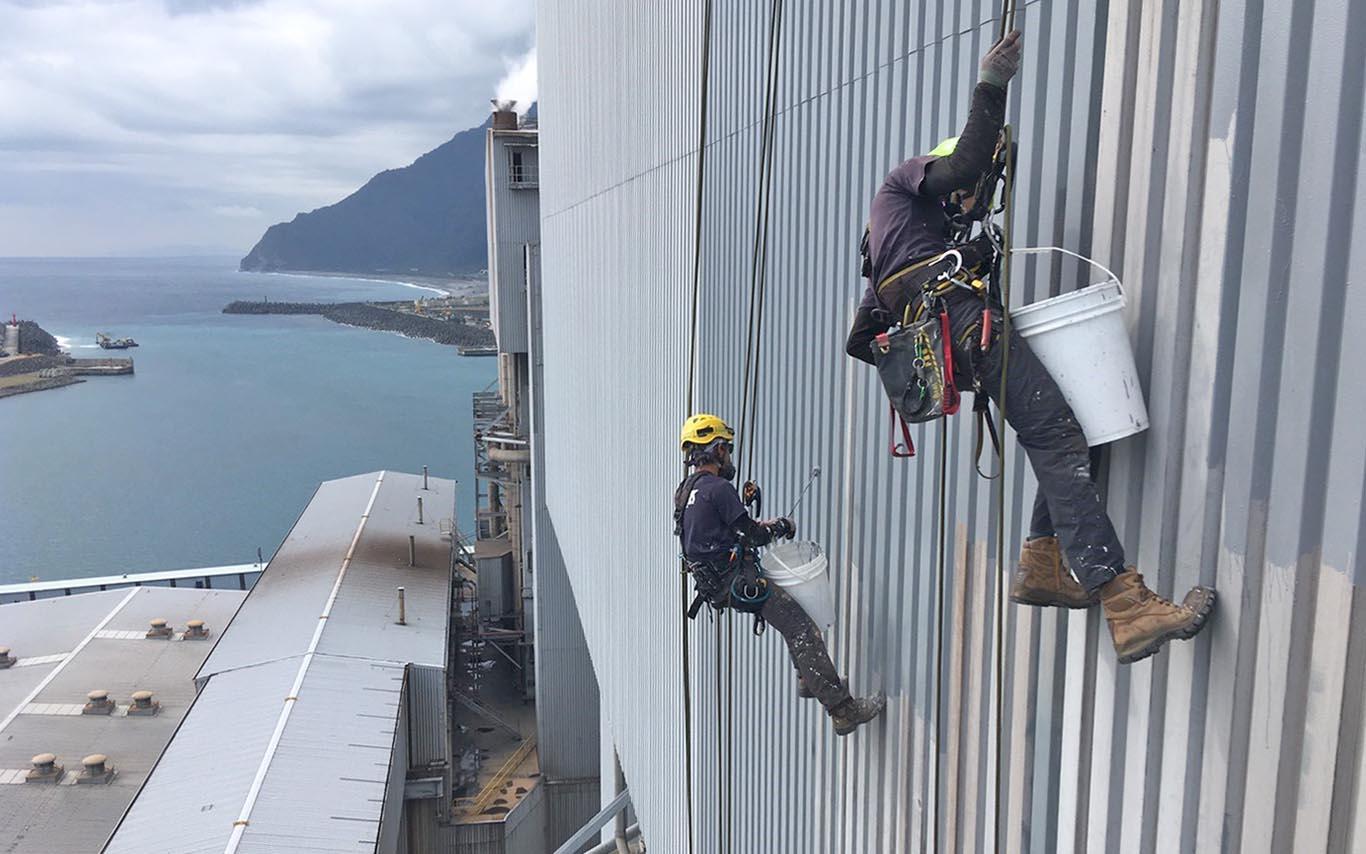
(426, 218)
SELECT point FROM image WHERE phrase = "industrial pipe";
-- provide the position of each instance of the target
(610, 846)
(510, 455)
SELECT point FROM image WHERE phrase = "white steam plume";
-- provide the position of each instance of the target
(519, 84)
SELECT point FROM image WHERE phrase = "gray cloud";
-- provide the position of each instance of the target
(132, 125)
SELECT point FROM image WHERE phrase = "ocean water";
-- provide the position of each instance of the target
(214, 446)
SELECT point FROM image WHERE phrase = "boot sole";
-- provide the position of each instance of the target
(1051, 602)
(1190, 631)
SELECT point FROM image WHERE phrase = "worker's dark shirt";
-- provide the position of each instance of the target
(709, 516)
(903, 225)
(907, 222)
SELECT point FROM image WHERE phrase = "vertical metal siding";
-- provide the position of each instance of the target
(391, 817)
(428, 737)
(1208, 151)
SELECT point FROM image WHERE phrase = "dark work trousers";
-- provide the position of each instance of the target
(1041, 521)
(807, 646)
(1051, 436)
(804, 641)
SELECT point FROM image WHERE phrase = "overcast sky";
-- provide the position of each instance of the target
(152, 127)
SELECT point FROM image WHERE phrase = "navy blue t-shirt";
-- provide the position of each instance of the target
(903, 226)
(710, 512)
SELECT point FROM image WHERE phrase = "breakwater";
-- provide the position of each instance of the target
(369, 316)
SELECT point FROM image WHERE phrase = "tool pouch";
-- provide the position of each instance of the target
(915, 364)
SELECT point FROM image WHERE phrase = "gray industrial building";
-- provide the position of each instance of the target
(320, 719)
(524, 607)
(68, 679)
(1210, 153)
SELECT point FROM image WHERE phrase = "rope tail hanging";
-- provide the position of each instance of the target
(1007, 24)
(1001, 485)
(689, 392)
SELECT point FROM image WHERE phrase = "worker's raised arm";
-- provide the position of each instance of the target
(972, 155)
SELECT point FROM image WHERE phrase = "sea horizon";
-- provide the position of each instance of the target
(213, 447)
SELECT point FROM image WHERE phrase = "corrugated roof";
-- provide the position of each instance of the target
(325, 787)
(376, 512)
(314, 660)
(203, 777)
(36, 701)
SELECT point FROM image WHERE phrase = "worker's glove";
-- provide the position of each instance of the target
(1002, 61)
(781, 528)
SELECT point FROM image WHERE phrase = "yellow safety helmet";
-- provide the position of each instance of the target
(945, 148)
(702, 429)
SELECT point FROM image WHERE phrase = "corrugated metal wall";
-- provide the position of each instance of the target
(391, 823)
(513, 210)
(1210, 153)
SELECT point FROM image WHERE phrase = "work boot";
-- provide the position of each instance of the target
(1043, 580)
(853, 712)
(1141, 621)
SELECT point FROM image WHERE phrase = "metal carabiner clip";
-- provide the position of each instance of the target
(958, 264)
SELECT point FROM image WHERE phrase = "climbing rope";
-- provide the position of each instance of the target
(1006, 26)
(688, 405)
(1001, 482)
(754, 332)
(1006, 23)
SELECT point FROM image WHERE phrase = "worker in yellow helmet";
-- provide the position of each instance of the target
(720, 543)
(927, 206)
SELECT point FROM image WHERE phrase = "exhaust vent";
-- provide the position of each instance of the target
(6, 660)
(196, 630)
(45, 769)
(96, 770)
(143, 705)
(504, 115)
(159, 629)
(99, 703)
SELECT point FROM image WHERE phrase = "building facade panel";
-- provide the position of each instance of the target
(1209, 153)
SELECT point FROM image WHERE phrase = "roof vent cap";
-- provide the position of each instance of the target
(196, 630)
(6, 660)
(159, 629)
(143, 705)
(99, 703)
(96, 769)
(45, 769)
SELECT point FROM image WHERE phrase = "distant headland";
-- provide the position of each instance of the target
(460, 321)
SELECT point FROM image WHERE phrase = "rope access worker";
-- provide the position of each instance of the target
(911, 224)
(720, 543)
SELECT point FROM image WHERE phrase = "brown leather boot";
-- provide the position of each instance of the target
(1141, 621)
(1043, 580)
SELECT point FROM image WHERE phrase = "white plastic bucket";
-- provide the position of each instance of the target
(1081, 339)
(800, 569)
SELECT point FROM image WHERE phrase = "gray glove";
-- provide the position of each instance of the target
(1002, 61)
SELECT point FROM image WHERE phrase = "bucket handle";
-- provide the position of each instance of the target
(1039, 250)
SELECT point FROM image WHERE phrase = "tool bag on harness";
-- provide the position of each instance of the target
(915, 358)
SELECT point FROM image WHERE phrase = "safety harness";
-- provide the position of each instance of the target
(914, 358)
(738, 582)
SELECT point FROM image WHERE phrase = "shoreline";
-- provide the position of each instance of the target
(443, 285)
(378, 317)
